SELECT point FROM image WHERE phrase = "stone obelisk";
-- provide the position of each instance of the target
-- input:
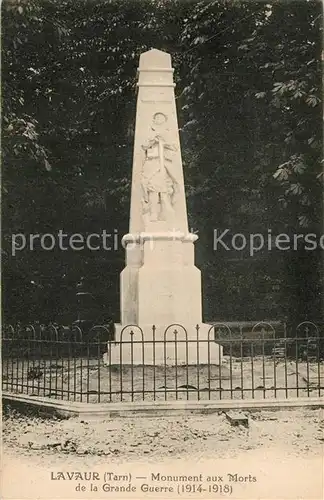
(160, 284)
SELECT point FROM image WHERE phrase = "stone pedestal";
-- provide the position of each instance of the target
(173, 344)
(160, 284)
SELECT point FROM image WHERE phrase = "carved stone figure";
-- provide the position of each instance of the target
(158, 181)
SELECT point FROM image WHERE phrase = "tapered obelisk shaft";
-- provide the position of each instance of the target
(158, 197)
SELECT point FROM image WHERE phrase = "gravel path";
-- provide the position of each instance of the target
(298, 432)
(286, 440)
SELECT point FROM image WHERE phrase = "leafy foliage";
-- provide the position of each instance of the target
(249, 104)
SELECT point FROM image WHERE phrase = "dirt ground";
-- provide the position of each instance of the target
(84, 380)
(283, 450)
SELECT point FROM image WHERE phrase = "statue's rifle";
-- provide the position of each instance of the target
(161, 154)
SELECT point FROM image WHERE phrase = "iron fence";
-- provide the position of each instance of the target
(255, 362)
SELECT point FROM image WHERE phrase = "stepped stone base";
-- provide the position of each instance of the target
(169, 345)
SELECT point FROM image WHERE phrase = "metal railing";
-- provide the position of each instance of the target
(66, 363)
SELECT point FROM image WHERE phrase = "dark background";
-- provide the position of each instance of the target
(248, 96)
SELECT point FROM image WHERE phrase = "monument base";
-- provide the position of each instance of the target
(163, 345)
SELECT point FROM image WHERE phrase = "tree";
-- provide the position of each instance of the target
(250, 146)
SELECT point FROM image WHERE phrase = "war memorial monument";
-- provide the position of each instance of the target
(160, 287)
